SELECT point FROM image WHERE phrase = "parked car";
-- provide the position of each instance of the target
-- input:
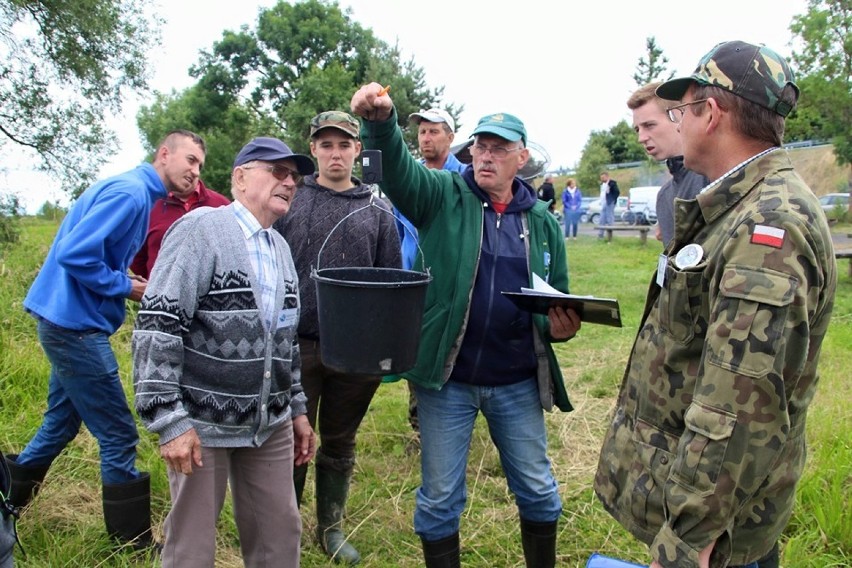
(642, 202)
(584, 207)
(834, 203)
(594, 211)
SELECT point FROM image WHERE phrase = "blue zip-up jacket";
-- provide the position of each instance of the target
(497, 348)
(83, 282)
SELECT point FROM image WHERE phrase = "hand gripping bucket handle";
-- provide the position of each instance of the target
(369, 318)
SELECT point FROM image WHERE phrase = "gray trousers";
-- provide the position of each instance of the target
(265, 510)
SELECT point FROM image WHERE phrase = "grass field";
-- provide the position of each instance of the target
(64, 526)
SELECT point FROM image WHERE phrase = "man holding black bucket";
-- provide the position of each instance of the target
(481, 232)
(319, 221)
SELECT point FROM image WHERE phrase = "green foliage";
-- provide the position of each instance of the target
(825, 76)
(66, 65)
(618, 145)
(10, 210)
(300, 60)
(52, 211)
(652, 66)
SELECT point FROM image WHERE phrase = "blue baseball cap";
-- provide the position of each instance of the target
(268, 149)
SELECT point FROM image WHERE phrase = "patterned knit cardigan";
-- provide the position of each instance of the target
(202, 356)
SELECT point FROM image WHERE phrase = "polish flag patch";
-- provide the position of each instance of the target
(766, 235)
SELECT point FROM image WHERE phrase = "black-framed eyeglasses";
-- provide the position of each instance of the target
(498, 152)
(675, 113)
(279, 172)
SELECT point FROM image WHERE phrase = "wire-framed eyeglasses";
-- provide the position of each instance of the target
(675, 113)
(279, 172)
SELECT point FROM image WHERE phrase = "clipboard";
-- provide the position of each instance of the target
(542, 296)
(604, 311)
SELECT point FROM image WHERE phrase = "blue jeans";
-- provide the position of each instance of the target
(516, 424)
(607, 216)
(84, 387)
(571, 219)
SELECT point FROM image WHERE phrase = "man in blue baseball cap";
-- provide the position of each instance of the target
(216, 368)
(482, 231)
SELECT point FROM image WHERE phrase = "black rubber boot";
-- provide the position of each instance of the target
(127, 513)
(539, 541)
(26, 480)
(299, 474)
(332, 492)
(443, 553)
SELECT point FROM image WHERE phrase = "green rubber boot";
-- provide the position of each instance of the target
(332, 491)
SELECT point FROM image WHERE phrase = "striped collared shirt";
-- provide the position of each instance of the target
(261, 253)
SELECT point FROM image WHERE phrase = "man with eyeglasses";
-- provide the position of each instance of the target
(334, 212)
(482, 231)
(707, 442)
(216, 367)
(660, 138)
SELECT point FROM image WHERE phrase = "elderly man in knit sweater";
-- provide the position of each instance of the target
(217, 367)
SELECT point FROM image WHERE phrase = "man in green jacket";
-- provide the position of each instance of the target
(482, 232)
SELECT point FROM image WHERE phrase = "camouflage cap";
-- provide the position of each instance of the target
(335, 119)
(753, 72)
(503, 125)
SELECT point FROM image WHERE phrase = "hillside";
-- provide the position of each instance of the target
(815, 164)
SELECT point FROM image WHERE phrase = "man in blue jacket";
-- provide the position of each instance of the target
(78, 300)
(481, 232)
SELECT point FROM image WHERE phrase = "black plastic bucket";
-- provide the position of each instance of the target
(369, 318)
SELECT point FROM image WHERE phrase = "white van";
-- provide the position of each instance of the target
(642, 201)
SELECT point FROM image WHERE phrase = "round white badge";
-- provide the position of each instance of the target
(689, 256)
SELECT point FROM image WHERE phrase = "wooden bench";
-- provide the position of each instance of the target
(643, 231)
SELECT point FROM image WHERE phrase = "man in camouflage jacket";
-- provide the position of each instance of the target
(708, 437)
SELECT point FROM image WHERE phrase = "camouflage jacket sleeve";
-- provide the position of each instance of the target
(766, 299)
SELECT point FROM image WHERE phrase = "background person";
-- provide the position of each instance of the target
(660, 138)
(228, 416)
(572, 204)
(78, 301)
(435, 135)
(165, 212)
(609, 197)
(708, 442)
(337, 402)
(547, 193)
(478, 352)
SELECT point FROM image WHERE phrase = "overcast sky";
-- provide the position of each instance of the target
(564, 68)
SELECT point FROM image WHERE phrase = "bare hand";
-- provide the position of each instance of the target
(564, 323)
(306, 440)
(139, 285)
(367, 103)
(182, 452)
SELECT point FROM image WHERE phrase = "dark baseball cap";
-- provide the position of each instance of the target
(753, 72)
(503, 125)
(268, 149)
(335, 119)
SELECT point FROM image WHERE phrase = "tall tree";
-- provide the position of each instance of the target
(65, 64)
(652, 66)
(301, 59)
(825, 68)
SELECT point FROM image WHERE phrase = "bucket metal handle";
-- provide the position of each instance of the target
(383, 210)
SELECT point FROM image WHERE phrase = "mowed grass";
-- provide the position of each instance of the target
(64, 525)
